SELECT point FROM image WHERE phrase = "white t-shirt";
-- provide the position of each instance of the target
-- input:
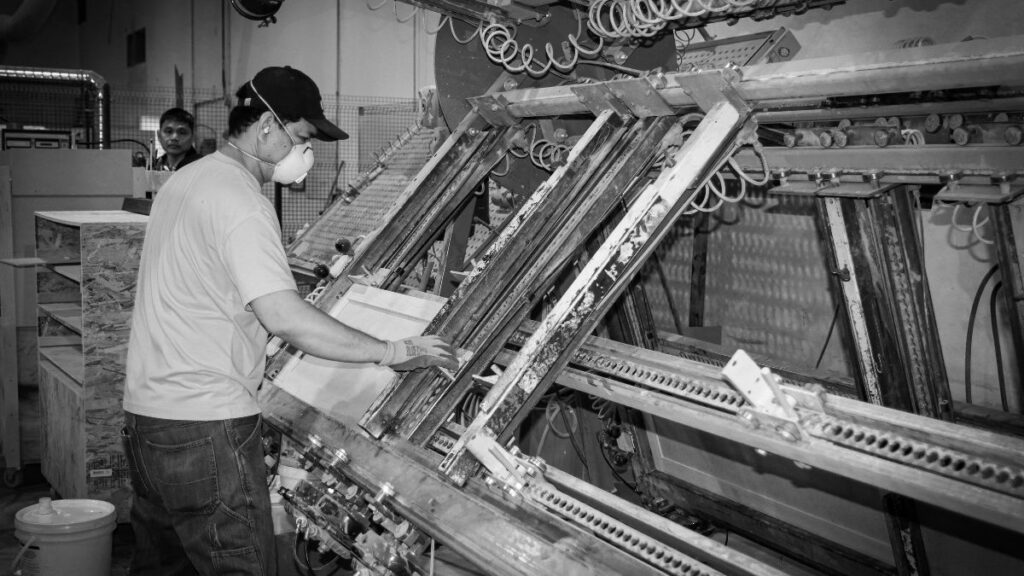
(213, 245)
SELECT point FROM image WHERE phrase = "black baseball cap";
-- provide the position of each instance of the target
(292, 94)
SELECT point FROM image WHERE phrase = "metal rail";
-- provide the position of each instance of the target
(973, 472)
(803, 84)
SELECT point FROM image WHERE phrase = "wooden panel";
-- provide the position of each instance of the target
(70, 271)
(28, 355)
(63, 436)
(343, 390)
(53, 287)
(8, 333)
(85, 373)
(67, 359)
(29, 425)
(110, 258)
(29, 182)
(67, 313)
(774, 486)
(83, 173)
(57, 243)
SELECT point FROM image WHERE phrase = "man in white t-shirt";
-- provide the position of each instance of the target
(213, 281)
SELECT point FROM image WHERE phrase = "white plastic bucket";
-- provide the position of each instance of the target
(64, 537)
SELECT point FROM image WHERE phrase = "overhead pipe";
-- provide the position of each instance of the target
(88, 77)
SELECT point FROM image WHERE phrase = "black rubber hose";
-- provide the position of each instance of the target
(970, 331)
(995, 340)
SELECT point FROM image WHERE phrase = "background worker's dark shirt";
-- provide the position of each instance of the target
(161, 162)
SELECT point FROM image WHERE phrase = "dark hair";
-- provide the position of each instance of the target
(248, 110)
(179, 115)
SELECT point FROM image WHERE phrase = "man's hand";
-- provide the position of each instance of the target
(419, 352)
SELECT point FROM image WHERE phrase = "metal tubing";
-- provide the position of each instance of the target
(81, 76)
(939, 67)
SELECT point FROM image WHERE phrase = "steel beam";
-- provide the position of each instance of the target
(1008, 224)
(875, 246)
(773, 86)
(494, 274)
(602, 280)
(877, 257)
(936, 482)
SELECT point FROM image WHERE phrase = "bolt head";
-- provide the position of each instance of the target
(961, 137)
(1013, 135)
(749, 419)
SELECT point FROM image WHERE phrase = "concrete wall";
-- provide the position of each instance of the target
(346, 47)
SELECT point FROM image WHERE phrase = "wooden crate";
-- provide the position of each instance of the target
(29, 182)
(86, 293)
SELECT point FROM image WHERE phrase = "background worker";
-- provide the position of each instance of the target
(213, 281)
(177, 136)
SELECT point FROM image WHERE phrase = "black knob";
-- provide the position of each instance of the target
(321, 271)
(343, 245)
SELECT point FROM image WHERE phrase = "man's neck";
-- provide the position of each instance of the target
(234, 150)
(174, 159)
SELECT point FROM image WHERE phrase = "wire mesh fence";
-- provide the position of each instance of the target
(371, 122)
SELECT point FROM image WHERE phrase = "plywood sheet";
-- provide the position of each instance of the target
(63, 440)
(345, 390)
(830, 506)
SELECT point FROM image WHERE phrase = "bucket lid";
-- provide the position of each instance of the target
(64, 516)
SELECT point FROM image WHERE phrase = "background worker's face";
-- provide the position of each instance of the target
(175, 137)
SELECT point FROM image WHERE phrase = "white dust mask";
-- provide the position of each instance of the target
(293, 168)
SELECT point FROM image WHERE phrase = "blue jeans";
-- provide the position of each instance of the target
(201, 504)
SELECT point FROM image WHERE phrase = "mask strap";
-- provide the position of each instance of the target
(253, 156)
(269, 107)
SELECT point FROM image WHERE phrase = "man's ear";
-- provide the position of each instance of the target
(266, 122)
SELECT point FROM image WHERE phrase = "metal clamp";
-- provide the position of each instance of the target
(768, 406)
(512, 469)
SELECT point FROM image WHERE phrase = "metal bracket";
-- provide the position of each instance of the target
(494, 109)
(512, 469)
(853, 189)
(796, 187)
(998, 193)
(598, 98)
(708, 87)
(641, 96)
(367, 278)
(768, 403)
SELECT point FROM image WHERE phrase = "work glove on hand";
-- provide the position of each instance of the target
(419, 352)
